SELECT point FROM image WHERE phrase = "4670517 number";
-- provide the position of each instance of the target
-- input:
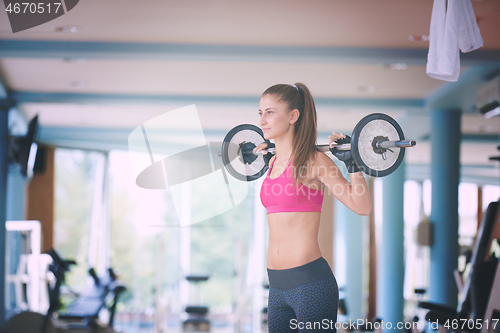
(33, 8)
(478, 324)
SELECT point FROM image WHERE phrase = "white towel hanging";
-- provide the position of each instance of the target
(469, 38)
(453, 28)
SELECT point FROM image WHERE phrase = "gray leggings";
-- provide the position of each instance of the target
(303, 299)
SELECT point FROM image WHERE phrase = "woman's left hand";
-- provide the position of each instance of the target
(335, 136)
(343, 155)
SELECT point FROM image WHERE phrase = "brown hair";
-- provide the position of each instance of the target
(299, 97)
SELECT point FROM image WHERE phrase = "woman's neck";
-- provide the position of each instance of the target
(284, 147)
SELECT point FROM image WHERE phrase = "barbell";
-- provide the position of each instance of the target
(377, 147)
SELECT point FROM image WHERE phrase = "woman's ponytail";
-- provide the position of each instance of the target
(299, 97)
(304, 145)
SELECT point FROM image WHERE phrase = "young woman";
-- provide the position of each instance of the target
(303, 293)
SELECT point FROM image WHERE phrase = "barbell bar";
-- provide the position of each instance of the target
(346, 146)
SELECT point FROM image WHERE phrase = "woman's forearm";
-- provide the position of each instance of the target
(360, 194)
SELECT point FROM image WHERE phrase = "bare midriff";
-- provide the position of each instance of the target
(293, 239)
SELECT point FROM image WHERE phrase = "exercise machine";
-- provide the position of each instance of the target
(82, 315)
(197, 315)
(478, 293)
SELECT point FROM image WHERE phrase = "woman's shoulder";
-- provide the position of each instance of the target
(322, 164)
(320, 158)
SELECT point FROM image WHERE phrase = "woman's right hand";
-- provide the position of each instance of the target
(262, 146)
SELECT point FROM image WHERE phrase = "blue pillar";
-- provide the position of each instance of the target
(445, 164)
(390, 268)
(349, 258)
(15, 211)
(4, 132)
(16, 197)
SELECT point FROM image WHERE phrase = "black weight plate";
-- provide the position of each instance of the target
(240, 167)
(363, 153)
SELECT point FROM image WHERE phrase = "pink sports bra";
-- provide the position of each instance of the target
(281, 195)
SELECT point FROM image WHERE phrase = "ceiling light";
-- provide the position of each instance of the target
(369, 89)
(488, 98)
(67, 29)
(78, 84)
(395, 66)
(484, 129)
(418, 38)
(491, 113)
(74, 60)
(398, 66)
